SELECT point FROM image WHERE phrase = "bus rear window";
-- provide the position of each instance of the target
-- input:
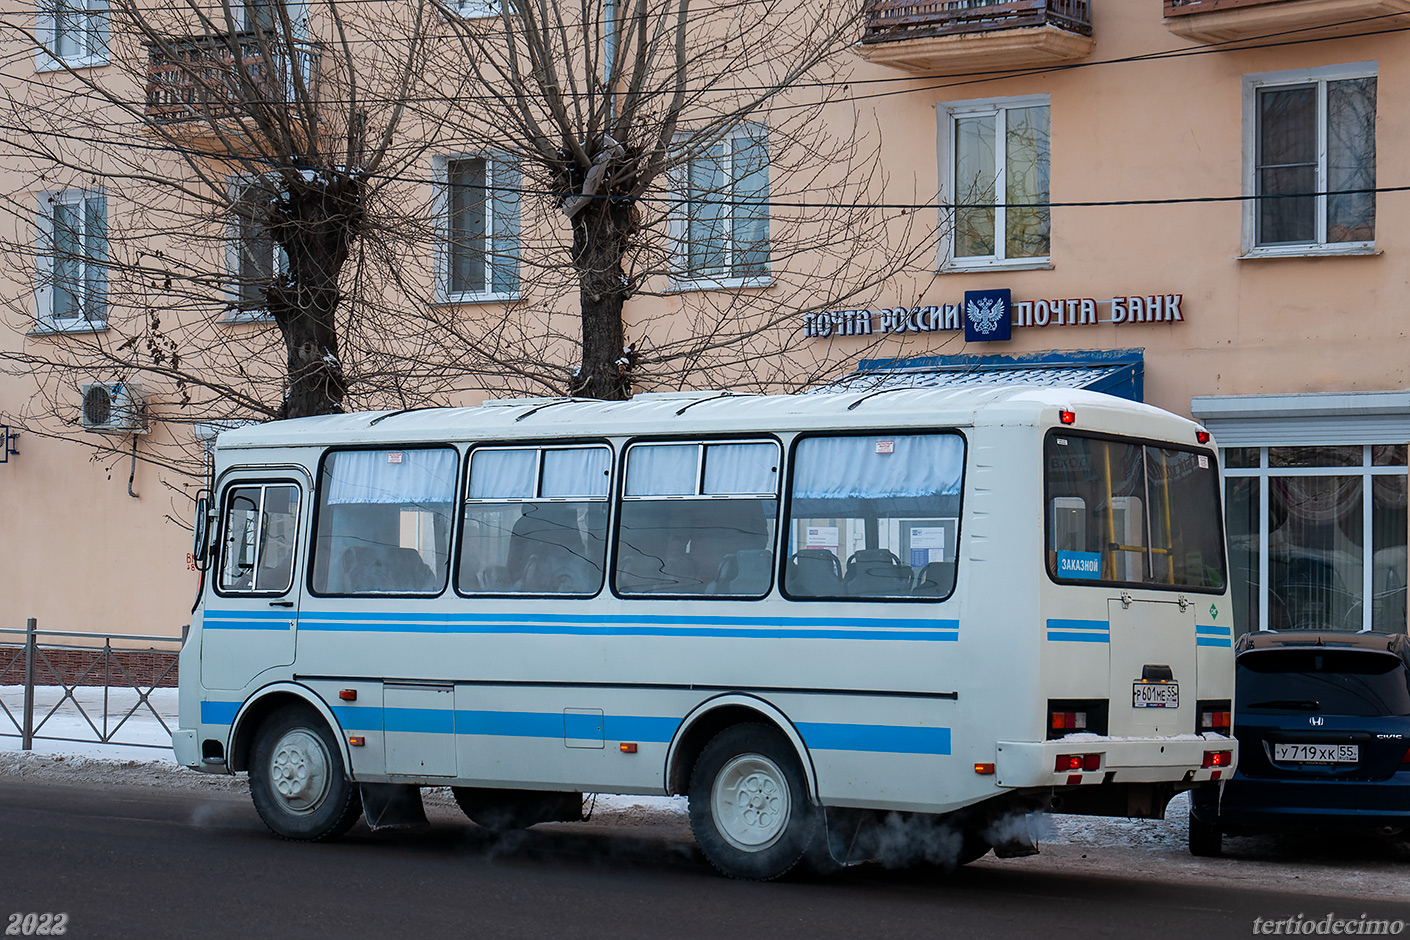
(1126, 512)
(384, 521)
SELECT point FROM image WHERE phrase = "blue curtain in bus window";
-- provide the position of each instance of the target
(407, 477)
(741, 469)
(875, 467)
(503, 474)
(581, 472)
(662, 470)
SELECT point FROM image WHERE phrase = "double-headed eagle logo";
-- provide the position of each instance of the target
(984, 313)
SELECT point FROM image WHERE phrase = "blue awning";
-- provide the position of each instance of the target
(1118, 372)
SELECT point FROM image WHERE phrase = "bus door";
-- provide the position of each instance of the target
(1152, 666)
(252, 610)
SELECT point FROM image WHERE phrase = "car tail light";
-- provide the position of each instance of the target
(1074, 763)
(1405, 761)
(1218, 758)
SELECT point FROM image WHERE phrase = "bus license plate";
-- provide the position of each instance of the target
(1317, 753)
(1155, 695)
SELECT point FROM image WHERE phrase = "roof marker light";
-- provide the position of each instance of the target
(1202, 436)
(1067, 417)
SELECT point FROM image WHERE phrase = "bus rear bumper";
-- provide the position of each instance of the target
(1091, 759)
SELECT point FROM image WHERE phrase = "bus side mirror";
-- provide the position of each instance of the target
(201, 534)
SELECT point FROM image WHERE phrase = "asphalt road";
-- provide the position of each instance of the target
(136, 862)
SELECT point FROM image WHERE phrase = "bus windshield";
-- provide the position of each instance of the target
(1127, 512)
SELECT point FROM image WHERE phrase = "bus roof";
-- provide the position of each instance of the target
(711, 412)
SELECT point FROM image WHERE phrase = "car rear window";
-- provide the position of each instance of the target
(1329, 681)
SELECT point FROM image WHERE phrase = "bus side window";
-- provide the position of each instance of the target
(260, 531)
(875, 516)
(698, 519)
(535, 520)
(384, 521)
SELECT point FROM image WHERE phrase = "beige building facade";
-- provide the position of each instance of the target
(1201, 205)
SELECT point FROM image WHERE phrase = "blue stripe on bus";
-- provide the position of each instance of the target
(1214, 641)
(1078, 637)
(829, 736)
(1079, 631)
(218, 713)
(1211, 630)
(648, 729)
(851, 628)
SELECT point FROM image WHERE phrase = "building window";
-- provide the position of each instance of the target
(72, 34)
(478, 242)
(252, 257)
(723, 238)
(995, 166)
(71, 288)
(476, 9)
(1311, 140)
(1317, 537)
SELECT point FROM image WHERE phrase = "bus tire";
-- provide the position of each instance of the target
(297, 779)
(749, 804)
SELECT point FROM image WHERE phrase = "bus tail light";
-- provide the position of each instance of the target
(1074, 763)
(1066, 716)
(1215, 716)
(1068, 721)
(1217, 759)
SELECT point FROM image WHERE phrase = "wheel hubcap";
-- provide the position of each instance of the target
(750, 802)
(298, 771)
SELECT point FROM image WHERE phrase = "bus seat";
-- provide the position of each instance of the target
(746, 572)
(872, 571)
(935, 579)
(813, 572)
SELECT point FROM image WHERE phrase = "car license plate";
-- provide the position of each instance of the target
(1155, 695)
(1317, 753)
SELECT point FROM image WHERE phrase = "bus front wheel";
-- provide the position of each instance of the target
(297, 780)
(749, 804)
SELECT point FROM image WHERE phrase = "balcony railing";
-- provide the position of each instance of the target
(212, 77)
(891, 20)
(1182, 7)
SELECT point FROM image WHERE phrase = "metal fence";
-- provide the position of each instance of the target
(86, 669)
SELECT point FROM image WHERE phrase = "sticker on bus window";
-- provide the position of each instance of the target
(1203, 462)
(394, 457)
(886, 447)
(1084, 565)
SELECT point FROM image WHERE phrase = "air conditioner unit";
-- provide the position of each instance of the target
(113, 409)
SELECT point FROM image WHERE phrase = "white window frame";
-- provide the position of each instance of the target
(44, 318)
(94, 45)
(440, 171)
(235, 236)
(946, 113)
(678, 225)
(1367, 471)
(1252, 83)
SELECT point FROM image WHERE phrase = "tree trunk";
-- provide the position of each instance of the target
(601, 230)
(315, 224)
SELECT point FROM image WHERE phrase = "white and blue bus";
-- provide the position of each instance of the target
(816, 616)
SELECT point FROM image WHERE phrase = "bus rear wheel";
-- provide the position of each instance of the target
(297, 779)
(749, 805)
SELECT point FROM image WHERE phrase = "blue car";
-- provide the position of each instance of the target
(1323, 724)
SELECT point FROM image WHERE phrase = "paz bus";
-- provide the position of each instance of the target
(820, 617)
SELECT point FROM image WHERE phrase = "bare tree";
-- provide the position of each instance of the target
(270, 246)
(682, 144)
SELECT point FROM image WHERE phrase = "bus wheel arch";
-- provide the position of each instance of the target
(257, 710)
(298, 777)
(708, 719)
